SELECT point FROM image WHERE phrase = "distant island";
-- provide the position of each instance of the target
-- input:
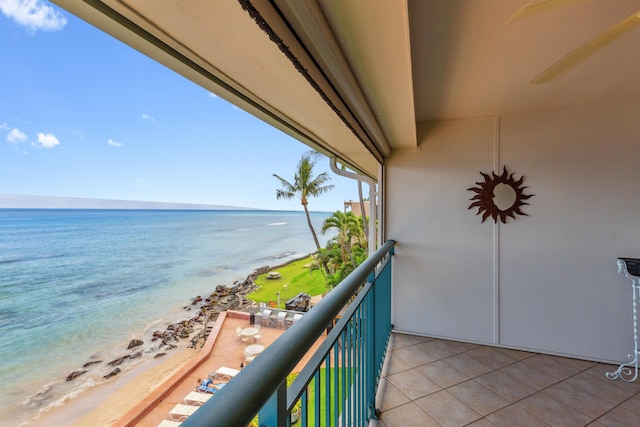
(21, 201)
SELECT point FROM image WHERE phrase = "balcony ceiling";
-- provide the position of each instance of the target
(373, 69)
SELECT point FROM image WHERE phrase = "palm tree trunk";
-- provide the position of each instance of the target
(315, 238)
(313, 232)
(365, 224)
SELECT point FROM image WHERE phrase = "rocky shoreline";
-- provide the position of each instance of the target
(196, 327)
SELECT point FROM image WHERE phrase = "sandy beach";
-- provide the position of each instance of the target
(106, 403)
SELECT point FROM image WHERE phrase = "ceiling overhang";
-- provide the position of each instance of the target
(353, 78)
(280, 61)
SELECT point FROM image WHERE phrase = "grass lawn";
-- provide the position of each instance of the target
(294, 278)
(311, 394)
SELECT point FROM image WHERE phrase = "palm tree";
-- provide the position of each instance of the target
(346, 250)
(350, 232)
(304, 186)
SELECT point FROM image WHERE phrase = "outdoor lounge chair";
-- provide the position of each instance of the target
(224, 373)
(181, 412)
(168, 423)
(196, 398)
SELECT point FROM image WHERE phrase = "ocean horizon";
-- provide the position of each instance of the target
(79, 284)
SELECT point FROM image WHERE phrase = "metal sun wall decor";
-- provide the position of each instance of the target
(484, 197)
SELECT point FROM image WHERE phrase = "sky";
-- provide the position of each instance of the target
(84, 115)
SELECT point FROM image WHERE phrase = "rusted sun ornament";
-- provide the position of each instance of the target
(499, 196)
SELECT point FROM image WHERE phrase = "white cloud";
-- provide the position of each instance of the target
(213, 95)
(47, 140)
(148, 117)
(15, 136)
(33, 14)
(113, 143)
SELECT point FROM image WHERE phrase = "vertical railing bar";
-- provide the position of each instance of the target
(282, 417)
(360, 366)
(304, 407)
(369, 355)
(316, 398)
(344, 371)
(351, 371)
(336, 384)
(327, 393)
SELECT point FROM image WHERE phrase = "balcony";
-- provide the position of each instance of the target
(423, 381)
(434, 382)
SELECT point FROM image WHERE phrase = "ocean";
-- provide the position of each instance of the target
(78, 285)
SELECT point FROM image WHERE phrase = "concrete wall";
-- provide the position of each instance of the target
(546, 282)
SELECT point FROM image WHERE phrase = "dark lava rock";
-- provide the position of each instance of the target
(113, 373)
(135, 343)
(73, 375)
(136, 355)
(159, 355)
(119, 360)
(93, 362)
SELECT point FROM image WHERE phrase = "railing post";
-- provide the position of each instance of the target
(274, 413)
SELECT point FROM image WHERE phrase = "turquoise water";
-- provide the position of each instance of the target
(78, 285)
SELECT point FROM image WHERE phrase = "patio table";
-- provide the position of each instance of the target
(249, 333)
(253, 349)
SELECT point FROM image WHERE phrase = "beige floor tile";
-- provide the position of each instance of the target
(409, 415)
(482, 422)
(442, 374)
(506, 386)
(433, 382)
(516, 354)
(529, 375)
(491, 356)
(606, 389)
(447, 410)
(468, 365)
(413, 384)
(389, 396)
(394, 364)
(376, 423)
(512, 416)
(404, 340)
(553, 412)
(443, 348)
(478, 397)
(632, 404)
(414, 356)
(600, 370)
(553, 365)
(620, 417)
(580, 399)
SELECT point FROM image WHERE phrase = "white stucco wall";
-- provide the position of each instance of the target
(546, 282)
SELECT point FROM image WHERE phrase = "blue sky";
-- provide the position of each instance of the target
(83, 115)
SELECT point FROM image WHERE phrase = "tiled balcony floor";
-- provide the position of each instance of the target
(433, 382)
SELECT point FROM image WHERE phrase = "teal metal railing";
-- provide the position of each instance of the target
(337, 387)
